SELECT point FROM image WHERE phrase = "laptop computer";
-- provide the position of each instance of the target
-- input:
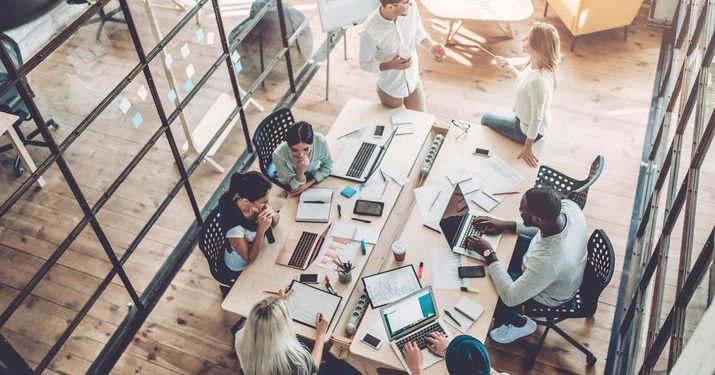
(360, 158)
(301, 248)
(412, 318)
(456, 225)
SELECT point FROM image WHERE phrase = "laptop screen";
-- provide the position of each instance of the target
(456, 208)
(409, 312)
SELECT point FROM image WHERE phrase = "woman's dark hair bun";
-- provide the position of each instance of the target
(300, 132)
(250, 185)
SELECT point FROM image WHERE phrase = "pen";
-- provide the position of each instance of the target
(506, 192)
(340, 211)
(429, 227)
(363, 246)
(382, 174)
(361, 220)
(328, 286)
(463, 313)
(470, 290)
(313, 202)
(419, 269)
(435, 199)
(453, 318)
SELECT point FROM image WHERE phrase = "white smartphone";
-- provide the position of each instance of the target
(373, 341)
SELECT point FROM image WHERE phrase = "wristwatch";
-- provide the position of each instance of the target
(487, 253)
(490, 256)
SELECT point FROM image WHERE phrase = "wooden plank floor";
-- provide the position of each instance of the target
(600, 106)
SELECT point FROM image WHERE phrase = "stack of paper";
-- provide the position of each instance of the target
(465, 312)
(355, 233)
(315, 205)
(402, 121)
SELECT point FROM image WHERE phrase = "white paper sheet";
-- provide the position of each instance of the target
(444, 268)
(305, 302)
(395, 174)
(336, 248)
(426, 195)
(355, 233)
(496, 175)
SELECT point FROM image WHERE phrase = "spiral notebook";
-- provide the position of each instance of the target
(314, 205)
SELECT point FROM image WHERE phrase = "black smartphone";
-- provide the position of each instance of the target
(308, 278)
(470, 271)
(370, 208)
(373, 341)
(481, 151)
(379, 131)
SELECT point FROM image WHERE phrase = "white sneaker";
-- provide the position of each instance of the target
(507, 333)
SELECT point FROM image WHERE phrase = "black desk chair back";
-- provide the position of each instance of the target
(212, 243)
(569, 187)
(596, 276)
(268, 135)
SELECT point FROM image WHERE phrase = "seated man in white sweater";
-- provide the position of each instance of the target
(547, 264)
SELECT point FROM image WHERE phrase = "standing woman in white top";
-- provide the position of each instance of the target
(535, 86)
(388, 47)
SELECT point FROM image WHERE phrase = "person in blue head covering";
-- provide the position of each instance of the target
(464, 355)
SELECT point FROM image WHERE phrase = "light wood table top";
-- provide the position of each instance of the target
(481, 10)
(265, 274)
(421, 240)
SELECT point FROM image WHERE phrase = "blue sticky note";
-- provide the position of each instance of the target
(237, 66)
(137, 120)
(171, 95)
(200, 35)
(188, 85)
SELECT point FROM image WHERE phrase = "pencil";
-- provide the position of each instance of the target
(435, 199)
(270, 292)
(385, 189)
(361, 220)
(506, 193)
(485, 50)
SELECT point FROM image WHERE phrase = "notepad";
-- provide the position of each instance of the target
(402, 121)
(485, 200)
(315, 205)
(355, 233)
(305, 302)
(466, 312)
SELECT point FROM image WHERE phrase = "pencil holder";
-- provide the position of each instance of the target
(345, 278)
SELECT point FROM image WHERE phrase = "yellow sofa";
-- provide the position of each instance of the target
(589, 16)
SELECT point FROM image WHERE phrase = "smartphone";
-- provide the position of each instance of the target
(481, 151)
(308, 278)
(470, 271)
(373, 341)
(379, 131)
(370, 208)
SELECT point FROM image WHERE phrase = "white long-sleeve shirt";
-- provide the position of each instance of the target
(553, 266)
(533, 101)
(381, 40)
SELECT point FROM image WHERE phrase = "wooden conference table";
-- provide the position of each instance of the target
(420, 240)
(265, 274)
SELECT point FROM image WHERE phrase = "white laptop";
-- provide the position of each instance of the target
(412, 318)
(456, 225)
(360, 158)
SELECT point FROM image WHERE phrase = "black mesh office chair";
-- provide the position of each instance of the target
(102, 17)
(569, 187)
(596, 276)
(11, 102)
(268, 135)
(212, 243)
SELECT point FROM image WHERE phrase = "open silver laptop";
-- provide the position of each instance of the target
(456, 225)
(360, 158)
(412, 318)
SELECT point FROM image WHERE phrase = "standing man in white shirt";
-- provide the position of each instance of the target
(388, 43)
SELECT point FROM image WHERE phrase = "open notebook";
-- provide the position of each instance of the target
(314, 205)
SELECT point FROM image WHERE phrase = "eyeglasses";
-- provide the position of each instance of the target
(463, 125)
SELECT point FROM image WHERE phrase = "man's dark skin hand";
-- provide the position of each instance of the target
(493, 226)
(481, 245)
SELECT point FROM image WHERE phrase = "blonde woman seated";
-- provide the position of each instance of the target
(534, 89)
(267, 344)
(303, 159)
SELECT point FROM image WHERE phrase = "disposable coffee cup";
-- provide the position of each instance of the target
(404, 53)
(399, 250)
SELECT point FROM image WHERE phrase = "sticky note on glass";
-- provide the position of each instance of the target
(171, 95)
(190, 71)
(188, 85)
(185, 50)
(168, 60)
(210, 38)
(235, 56)
(142, 93)
(237, 66)
(124, 105)
(200, 35)
(137, 120)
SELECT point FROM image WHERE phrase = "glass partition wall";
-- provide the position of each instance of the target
(127, 117)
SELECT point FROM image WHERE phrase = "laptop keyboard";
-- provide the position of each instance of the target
(471, 231)
(420, 337)
(302, 249)
(357, 167)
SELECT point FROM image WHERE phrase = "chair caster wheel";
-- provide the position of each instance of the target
(590, 360)
(54, 124)
(19, 171)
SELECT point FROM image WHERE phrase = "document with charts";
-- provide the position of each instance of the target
(340, 249)
(389, 286)
(305, 302)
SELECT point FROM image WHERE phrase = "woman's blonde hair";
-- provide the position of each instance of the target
(267, 344)
(545, 42)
